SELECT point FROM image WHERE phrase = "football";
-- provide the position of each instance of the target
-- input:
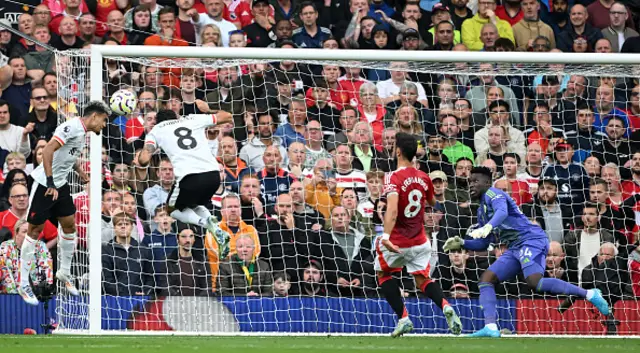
(123, 102)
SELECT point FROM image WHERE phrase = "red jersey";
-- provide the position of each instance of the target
(8, 220)
(414, 188)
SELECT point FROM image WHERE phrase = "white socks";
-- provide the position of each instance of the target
(492, 326)
(27, 256)
(67, 247)
(189, 216)
(202, 212)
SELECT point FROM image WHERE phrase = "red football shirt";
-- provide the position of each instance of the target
(8, 219)
(414, 188)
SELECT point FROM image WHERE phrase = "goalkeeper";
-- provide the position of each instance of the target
(500, 220)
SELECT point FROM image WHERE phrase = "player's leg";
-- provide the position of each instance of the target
(64, 211)
(533, 262)
(67, 244)
(506, 267)
(181, 196)
(385, 264)
(418, 259)
(39, 211)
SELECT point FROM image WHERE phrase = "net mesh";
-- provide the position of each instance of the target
(305, 282)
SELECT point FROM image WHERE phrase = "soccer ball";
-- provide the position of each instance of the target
(123, 102)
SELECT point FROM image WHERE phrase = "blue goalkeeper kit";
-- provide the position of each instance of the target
(527, 243)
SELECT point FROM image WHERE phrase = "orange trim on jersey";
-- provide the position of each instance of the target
(215, 119)
(149, 142)
(59, 140)
(383, 263)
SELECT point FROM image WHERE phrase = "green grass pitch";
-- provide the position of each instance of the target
(179, 344)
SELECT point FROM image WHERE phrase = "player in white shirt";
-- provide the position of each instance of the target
(195, 167)
(50, 197)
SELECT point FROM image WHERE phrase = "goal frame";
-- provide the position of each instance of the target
(98, 52)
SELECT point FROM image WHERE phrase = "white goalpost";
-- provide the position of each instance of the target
(230, 316)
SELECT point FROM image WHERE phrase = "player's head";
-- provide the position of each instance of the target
(479, 181)
(406, 146)
(165, 114)
(96, 114)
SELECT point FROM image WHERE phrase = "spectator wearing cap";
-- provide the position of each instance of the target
(439, 14)
(472, 27)
(553, 217)
(215, 9)
(618, 30)
(412, 29)
(585, 137)
(499, 113)
(615, 148)
(5, 38)
(259, 32)
(512, 11)
(525, 32)
(579, 26)
(126, 267)
(572, 178)
(310, 34)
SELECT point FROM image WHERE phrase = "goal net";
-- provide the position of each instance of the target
(303, 167)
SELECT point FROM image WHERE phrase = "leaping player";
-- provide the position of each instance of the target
(404, 242)
(499, 217)
(196, 169)
(50, 197)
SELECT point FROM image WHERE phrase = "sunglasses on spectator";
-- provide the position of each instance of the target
(40, 98)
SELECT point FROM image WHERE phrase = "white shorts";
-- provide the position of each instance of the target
(416, 259)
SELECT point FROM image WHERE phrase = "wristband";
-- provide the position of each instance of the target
(50, 183)
(386, 236)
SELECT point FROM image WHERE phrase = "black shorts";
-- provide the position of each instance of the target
(194, 190)
(43, 208)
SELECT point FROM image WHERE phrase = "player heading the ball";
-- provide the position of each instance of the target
(404, 242)
(196, 168)
(500, 221)
(51, 196)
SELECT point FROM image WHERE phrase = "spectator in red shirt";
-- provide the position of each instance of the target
(19, 200)
(115, 24)
(514, 183)
(372, 112)
(510, 11)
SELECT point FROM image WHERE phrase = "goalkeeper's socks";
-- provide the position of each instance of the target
(434, 292)
(488, 302)
(27, 255)
(189, 216)
(67, 247)
(557, 286)
(202, 211)
(391, 292)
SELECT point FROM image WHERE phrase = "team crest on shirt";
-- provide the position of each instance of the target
(233, 16)
(282, 187)
(66, 129)
(575, 176)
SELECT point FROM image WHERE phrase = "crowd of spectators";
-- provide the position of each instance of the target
(304, 162)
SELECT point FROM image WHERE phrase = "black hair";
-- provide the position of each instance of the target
(482, 170)
(512, 155)
(283, 275)
(590, 204)
(499, 103)
(164, 115)
(3, 103)
(504, 43)
(408, 145)
(99, 107)
(165, 10)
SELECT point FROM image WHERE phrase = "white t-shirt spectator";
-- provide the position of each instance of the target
(387, 88)
(224, 25)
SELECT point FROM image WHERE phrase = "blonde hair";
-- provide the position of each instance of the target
(15, 155)
(216, 29)
(19, 223)
(416, 127)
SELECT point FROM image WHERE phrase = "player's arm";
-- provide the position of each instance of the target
(500, 213)
(150, 147)
(390, 217)
(47, 163)
(219, 117)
